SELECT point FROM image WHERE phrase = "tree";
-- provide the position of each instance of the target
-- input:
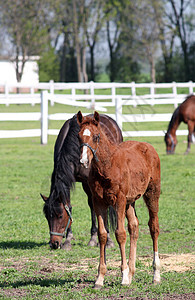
(79, 23)
(62, 38)
(181, 16)
(95, 19)
(166, 38)
(146, 33)
(26, 29)
(49, 66)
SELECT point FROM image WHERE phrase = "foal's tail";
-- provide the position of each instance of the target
(112, 218)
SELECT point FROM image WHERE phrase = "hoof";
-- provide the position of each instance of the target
(93, 241)
(125, 277)
(156, 282)
(110, 243)
(70, 236)
(66, 246)
(97, 287)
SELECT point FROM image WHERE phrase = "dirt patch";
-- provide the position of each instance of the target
(173, 262)
(169, 262)
(14, 293)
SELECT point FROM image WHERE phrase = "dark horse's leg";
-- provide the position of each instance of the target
(69, 237)
(190, 133)
(94, 239)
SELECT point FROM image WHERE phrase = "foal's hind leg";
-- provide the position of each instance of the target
(151, 200)
(133, 228)
(101, 213)
(121, 238)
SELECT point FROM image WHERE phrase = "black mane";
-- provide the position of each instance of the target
(65, 162)
(173, 119)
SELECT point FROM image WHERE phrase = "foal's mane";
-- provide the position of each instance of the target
(65, 162)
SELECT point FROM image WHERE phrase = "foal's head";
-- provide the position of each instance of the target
(59, 219)
(89, 137)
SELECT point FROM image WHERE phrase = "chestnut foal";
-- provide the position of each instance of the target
(119, 175)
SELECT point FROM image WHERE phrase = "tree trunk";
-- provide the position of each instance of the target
(92, 63)
(63, 61)
(112, 75)
(77, 45)
(180, 25)
(85, 76)
(153, 70)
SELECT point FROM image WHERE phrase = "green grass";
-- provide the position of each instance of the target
(30, 270)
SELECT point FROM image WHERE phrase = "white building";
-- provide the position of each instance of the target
(8, 72)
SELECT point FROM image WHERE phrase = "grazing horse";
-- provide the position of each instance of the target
(119, 175)
(185, 112)
(66, 172)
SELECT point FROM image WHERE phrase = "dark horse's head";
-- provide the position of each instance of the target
(171, 142)
(59, 219)
(57, 208)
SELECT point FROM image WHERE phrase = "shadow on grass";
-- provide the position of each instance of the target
(44, 282)
(20, 245)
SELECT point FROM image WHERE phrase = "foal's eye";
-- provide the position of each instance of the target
(60, 217)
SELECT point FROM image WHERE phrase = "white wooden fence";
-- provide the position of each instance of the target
(94, 101)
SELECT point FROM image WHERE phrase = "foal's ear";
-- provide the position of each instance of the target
(79, 117)
(44, 197)
(96, 116)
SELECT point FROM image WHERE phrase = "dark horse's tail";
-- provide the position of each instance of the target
(112, 218)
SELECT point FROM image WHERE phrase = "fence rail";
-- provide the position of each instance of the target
(91, 100)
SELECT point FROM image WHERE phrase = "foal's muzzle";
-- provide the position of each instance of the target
(85, 163)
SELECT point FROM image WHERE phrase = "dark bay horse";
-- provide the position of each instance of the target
(119, 175)
(67, 170)
(185, 112)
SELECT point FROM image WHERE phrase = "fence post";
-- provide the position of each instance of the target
(44, 117)
(118, 111)
(51, 84)
(175, 93)
(152, 91)
(191, 91)
(113, 94)
(133, 92)
(73, 93)
(6, 92)
(92, 95)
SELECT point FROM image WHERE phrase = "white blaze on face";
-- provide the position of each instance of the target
(84, 159)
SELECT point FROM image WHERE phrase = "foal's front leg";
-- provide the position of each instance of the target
(101, 214)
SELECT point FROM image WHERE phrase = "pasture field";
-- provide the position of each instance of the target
(30, 270)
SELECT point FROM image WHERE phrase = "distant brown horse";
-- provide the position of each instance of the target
(185, 112)
(119, 175)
